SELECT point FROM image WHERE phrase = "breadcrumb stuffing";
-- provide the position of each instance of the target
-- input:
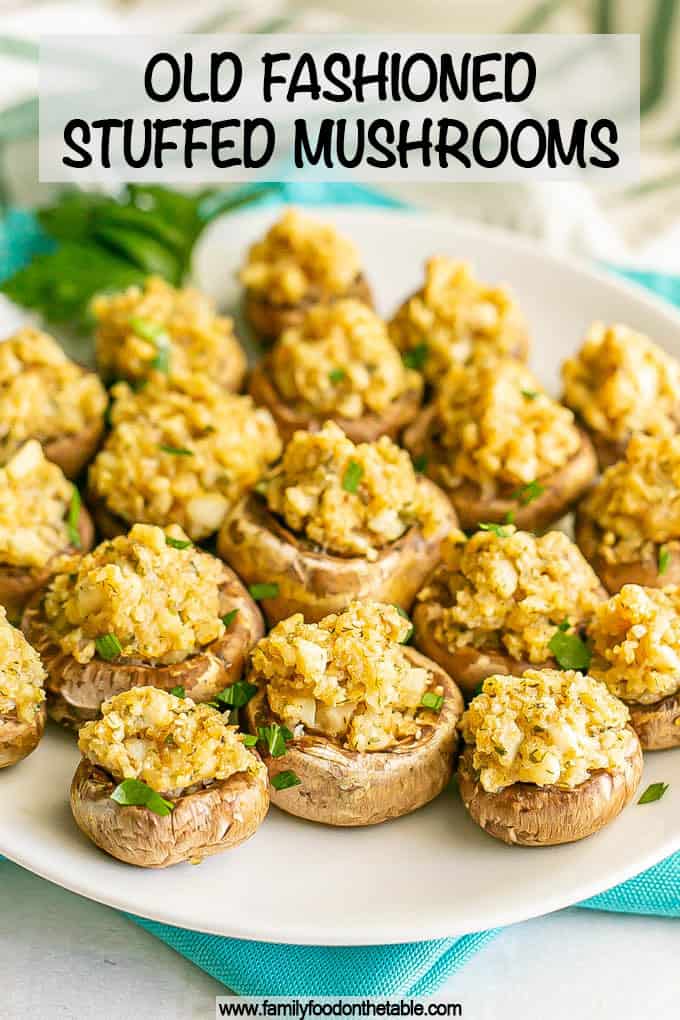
(346, 677)
(161, 603)
(455, 315)
(170, 743)
(182, 451)
(636, 643)
(510, 592)
(21, 674)
(546, 727)
(43, 394)
(341, 361)
(143, 328)
(620, 382)
(34, 502)
(351, 499)
(301, 259)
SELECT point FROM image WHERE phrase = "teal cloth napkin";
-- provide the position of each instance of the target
(413, 968)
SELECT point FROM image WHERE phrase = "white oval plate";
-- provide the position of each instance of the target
(434, 873)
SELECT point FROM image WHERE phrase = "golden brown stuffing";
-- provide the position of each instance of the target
(160, 603)
(21, 674)
(159, 327)
(182, 451)
(34, 502)
(43, 394)
(510, 590)
(455, 315)
(546, 727)
(341, 361)
(168, 743)
(346, 677)
(636, 643)
(350, 499)
(300, 258)
(620, 382)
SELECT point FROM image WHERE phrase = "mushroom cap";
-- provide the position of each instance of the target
(19, 584)
(529, 815)
(657, 725)
(19, 739)
(206, 822)
(75, 691)
(366, 429)
(342, 787)
(269, 318)
(560, 490)
(73, 453)
(262, 549)
(614, 575)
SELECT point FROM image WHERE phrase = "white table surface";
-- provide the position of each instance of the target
(64, 957)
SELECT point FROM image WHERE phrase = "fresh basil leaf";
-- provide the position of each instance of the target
(275, 738)
(653, 792)
(73, 519)
(229, 617)
(135, 793)
(570, 651)
(108, 647)
(284, 780)
(432, 701)
(263, 590)
(416, 357)
(352, 476)
(237, 695)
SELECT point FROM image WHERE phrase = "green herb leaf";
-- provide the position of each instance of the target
(664, 559)
(510, 517)
(176, 451)
(108, 647)
(352, 476)
(248, 740)
(569, 650)
(161, 363)
(336, 375)
(528, 493)
(500, 530)
(416, 357)
(179, 692)
(229, 617)
(263, 590)
(135, 793)
(405, 615)
(565, 625)
(530, 394)
(653, 792)
(432, 700)
(284, 780)
(274, 737)
(178, 543)
(73, 519)
(237, 695)
(146, 328)
(420, 464)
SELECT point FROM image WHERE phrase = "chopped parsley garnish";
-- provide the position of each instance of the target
(499, 530)
(237, 695)
(405, 615)
(664, 559)
(73, 518)
(135, 793)
(156, 335)
(275, 738)
(416, 357)
(432, 700)
(179, 692)
(510, 517)
(653, 792)
(337, 375)
(420, 464)
(352, 476)
(145, 328)
(178, 543)
(569, 650)
(530, 394)
(176, 451)
(528, 493)
(284, 780)
(229, 617)
(264, 590)
(108, 647)
(249, 740)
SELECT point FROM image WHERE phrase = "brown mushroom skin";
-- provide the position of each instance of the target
(73, 453)
(19, 739)
(76, 691)
(657, 725)
(614, 575)
(560, 491)
(261, 549)
(366, 429)
(208, 821)
(525, 814)
(269, 319)
(342, 787)
(19, 584)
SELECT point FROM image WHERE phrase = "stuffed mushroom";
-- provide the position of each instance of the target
(336, 522)
(355, 728)
(504, 601)
(453, 317)
(147, 608)
(159, 328)
(22, 696)
(41, 518)
(500, 447)
(46, 396)
(298, 263)
(180, 451)
(339, 363)
(628, 528)
(635, 637)
(549, 757)
(163, 780)
(619, 384)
